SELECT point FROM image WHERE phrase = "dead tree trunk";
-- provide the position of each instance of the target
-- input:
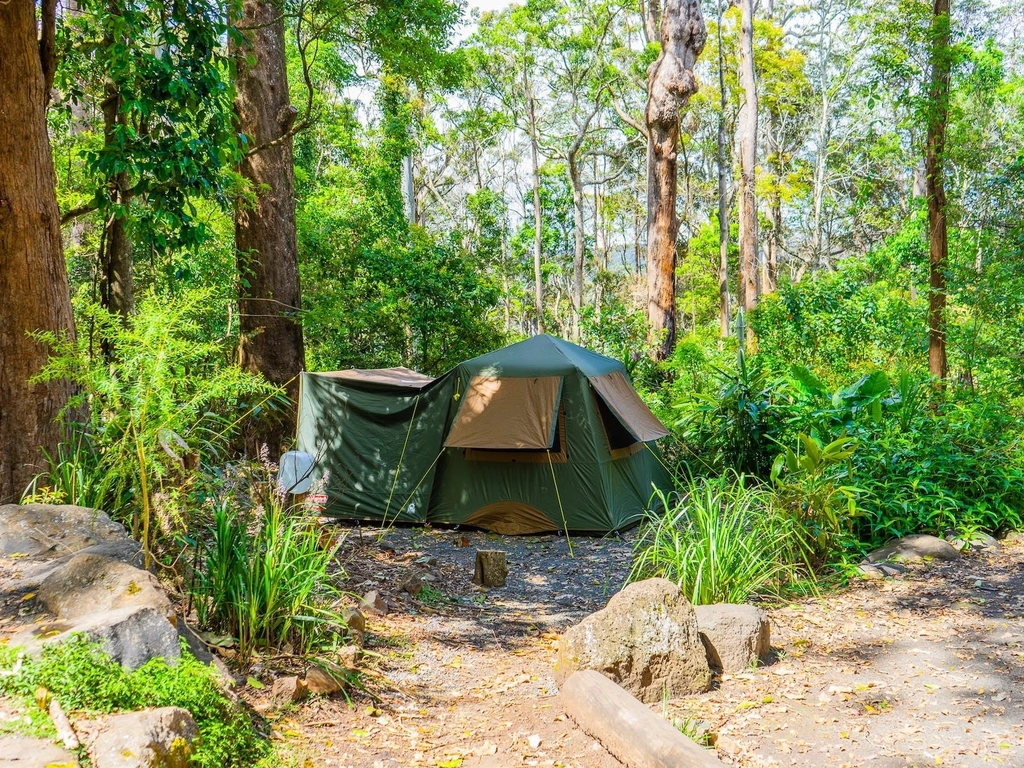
(935, 149)
(670, 85)
(269, 298)
(34, 293)
(749, 285)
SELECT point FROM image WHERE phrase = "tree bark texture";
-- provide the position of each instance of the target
(117, 290)
(670, 84)
(749, 287)
(269, 299)
(34, 293)
(538, 216)
(724, 313)
(935, 149)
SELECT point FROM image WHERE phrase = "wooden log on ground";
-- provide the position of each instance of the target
(628, 729)
(491, 568)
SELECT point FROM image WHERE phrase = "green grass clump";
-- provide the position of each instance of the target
(82, 677)
(721, 541)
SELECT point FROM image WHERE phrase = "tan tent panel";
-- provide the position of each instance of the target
(512, 518)
(507, 413)
(394, 377)
(619, 395)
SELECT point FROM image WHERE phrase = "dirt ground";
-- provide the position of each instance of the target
(925, 669)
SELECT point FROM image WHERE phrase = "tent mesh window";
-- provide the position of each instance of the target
(556, 454)
(621, 442)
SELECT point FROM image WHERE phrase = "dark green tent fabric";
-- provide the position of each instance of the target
(383, 445)
(375, 441)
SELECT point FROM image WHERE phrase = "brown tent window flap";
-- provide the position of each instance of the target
(556, 454)
(507, 414)
(615, 391)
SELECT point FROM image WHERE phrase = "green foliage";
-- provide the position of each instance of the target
(261, 572)
(84, 678)
(164, 67)
(732, 426)
(812, 491)
(168, 395)
(721, 541)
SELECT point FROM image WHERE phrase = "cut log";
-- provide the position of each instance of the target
(62, 725)
(630, 731)
(491, 568)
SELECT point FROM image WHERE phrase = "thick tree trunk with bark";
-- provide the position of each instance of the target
(269, 298)
(935, 149)
(538, 216)
(724, 310)
(671, 83)
(34, 293)
(749, 287)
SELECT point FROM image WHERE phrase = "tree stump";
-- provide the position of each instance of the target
(491, 568)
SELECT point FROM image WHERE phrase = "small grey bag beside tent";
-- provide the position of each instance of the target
(542, 435)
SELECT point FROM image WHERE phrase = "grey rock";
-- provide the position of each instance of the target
(735, 636)
(645, 640)
(288, 689)
(914, 548)
(976, 542)
(89, 583)
(324, 681)
(348, 656)
(151, 738)
(25, 752)
(132, 636)
(373, 602)
(870, 572)
(36, 530)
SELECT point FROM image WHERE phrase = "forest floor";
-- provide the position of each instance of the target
(925, 669)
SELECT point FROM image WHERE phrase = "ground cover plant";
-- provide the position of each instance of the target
(84, 679)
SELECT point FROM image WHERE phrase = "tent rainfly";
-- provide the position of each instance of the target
(542, 435)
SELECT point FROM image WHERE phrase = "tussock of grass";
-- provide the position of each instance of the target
(720, 541)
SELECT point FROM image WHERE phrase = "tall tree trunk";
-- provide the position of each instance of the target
(670, 83)
(579, 251)
(935, 149)
(117, 290)
(749, 284)
(724, 314)
(34, 293)
(538, 216)
(269, 298)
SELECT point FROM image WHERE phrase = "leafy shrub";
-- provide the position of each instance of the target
(731, 427)
(83, 677)
(811, 491)
(262, 574)
(721, 541)
(162, 393)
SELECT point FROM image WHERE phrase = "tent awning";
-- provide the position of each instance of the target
(619, 395)
(507, 413)
(396, 377)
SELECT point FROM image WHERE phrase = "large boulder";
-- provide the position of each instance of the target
(646, 640)
(151, 738)
(90, 583)
(36, 530)
(735, 637)
(914, 548)
(25, 752)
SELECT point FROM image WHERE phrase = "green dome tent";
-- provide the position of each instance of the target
(542, 435)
